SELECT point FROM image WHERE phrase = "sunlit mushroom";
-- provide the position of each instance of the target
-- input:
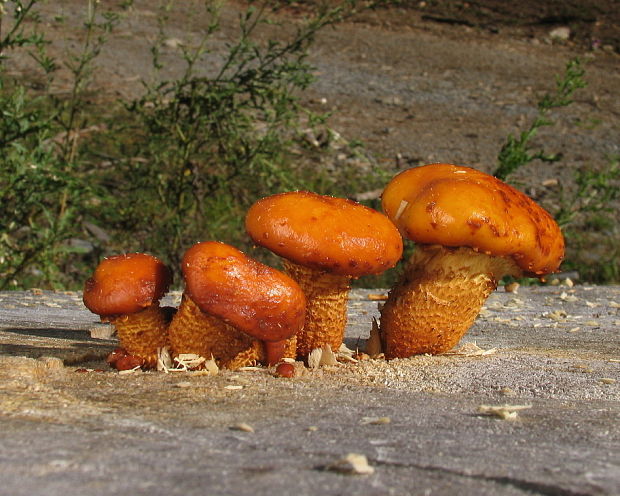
(325, 242)
(235, 309)
(125, 290)
(470, 230)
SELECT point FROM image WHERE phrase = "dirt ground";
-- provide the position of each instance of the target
(421, 82)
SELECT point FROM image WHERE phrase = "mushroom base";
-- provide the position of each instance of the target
(141, 334)
(326, 307)
(193, 331)
(438, 299)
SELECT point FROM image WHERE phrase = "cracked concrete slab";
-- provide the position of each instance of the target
(69, 423)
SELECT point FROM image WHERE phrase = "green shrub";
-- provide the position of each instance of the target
(517, 151)
(184, 161)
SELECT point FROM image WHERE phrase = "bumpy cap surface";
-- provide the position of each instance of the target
(256, 299)
(126, 284)
(458, 206)
(325, 233)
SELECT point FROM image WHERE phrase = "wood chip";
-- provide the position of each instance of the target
(608, 380)
(211, 367)
(328, 357)
(469, 350)
(164, 360)
(189, 361)
(375, 420)
(557, 315)
(135, 370)
(321, 357)
(505, 412)
(566, 297)
(373, 345)
(242, 426)
(377, 297)
(401, 208)
(314, 358)
(506, 391)
(102, 332)
(352, 464)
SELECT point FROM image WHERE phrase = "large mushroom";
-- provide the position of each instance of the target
(125, 290)
(325, 242)
(470, 230)
(235, 309)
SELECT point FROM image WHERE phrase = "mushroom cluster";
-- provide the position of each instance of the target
(469, 230)
(234, 309)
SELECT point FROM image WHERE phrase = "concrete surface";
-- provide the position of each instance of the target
(70, 425)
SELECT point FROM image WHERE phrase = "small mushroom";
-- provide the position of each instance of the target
(235, 309)
(125, 290)
(325, 242)
(470, 230)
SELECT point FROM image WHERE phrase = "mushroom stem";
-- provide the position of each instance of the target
(193, 331)
(326, 307)
(277, 350)
(438, 298)
(141, 334)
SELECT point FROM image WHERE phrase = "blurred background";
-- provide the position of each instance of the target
(145, 126)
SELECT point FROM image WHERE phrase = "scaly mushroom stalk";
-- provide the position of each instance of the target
(142, 334)
(327, 296)
(438, 298)
(193, 331)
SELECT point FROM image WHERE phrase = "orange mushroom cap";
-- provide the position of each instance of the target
(256, 299)
(325, 233)
(126, 284)
(458, 206)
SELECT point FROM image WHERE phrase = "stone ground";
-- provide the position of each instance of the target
(69, 423)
